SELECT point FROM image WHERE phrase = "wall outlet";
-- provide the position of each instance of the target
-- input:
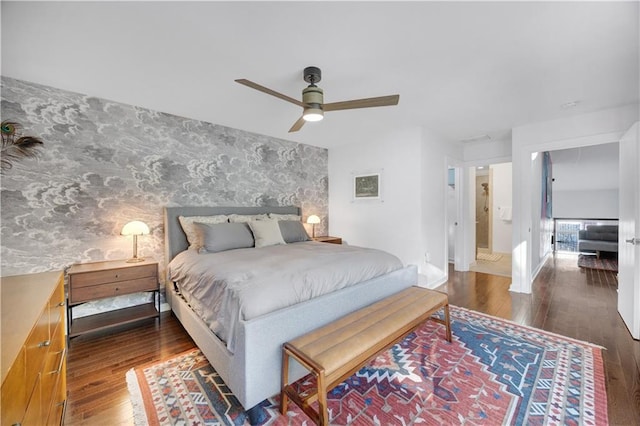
(427, 257)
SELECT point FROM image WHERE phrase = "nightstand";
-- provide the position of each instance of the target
(98, 280)
(327, 239)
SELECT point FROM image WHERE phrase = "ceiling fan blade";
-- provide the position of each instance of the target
(297, 125)
(362, 103)
(268, 91)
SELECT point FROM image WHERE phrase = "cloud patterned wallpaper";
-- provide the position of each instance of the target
(105, 163)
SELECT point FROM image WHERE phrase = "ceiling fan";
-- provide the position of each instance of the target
(312, 99)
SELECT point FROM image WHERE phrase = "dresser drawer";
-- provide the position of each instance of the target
(57, 305)
(57, 404)
(112, 275)
(113, 289)
(14, 394)
(32, 303)
(54, 368)
(34, 415)
(36, 348)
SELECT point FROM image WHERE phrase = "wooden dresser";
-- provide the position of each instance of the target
(34, 349)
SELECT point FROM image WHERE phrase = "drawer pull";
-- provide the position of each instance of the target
(44, 344)
(59, 369)
(117, 276)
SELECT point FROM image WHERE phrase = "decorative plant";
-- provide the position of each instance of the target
(14, 149)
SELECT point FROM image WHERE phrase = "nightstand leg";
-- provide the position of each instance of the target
(158, 306)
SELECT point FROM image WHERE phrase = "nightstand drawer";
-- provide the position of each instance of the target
(111, 289)
(112, 275)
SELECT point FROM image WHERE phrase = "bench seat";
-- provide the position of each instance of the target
(339, 349)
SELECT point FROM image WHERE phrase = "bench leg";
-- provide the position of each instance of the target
(323, 412)
(284, 399)
(447, 322)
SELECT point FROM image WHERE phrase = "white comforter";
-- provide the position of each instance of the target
(226, 287)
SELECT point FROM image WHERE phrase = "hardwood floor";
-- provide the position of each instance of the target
(573, 302)
(567, 300)
(97, 364)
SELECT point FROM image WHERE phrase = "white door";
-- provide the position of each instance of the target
(629, 240)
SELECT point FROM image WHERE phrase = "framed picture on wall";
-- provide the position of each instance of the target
(367, 186)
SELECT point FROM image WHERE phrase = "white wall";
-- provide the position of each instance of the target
(411, 220)
(602, 204)
(582, 175)
(437, 154)
(600, 127)
(394, 223)
(502, 198)
(491, 151)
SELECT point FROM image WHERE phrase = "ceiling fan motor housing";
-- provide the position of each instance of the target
(313, 95)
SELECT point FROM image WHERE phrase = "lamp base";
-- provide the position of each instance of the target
(135, 260)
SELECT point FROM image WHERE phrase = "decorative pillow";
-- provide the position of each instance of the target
(276, 216)
(223, 236)
(244, 218)
(187, 226)
(266, 233)
(292, 231)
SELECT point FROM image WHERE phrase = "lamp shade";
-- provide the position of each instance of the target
(313, 219)
(135, 228)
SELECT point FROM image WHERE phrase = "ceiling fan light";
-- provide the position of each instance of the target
(313, 113)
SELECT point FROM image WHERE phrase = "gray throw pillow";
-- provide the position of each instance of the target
(224, 236)
(292, 231)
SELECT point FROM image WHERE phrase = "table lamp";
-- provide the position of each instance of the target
(135, 228)
(313, 220)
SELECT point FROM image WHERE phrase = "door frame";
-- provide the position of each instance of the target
(460, 261)
(522, 274)
(629, 230)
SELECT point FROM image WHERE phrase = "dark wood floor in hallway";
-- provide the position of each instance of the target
(574, 302)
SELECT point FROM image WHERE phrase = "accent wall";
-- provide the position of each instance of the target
(104, 164)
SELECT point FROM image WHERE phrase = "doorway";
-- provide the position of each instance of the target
(483, 210)
(491, 202)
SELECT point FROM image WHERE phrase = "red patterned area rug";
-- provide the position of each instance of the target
(606, 263)
(495, 372)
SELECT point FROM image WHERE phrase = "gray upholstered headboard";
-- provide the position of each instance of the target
(175, 240)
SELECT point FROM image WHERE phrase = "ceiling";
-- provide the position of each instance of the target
(462, 69)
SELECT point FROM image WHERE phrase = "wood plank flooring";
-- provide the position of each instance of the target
(97, 364)
(567, 300)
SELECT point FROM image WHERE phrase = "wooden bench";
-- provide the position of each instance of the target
(336, 351)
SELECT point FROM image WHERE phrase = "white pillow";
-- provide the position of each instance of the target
(266, 233)
(277, 216)
(245, 218)
(193, 236)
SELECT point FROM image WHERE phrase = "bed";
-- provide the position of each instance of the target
(253, 369)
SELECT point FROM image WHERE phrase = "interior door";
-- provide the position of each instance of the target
(629, 231)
